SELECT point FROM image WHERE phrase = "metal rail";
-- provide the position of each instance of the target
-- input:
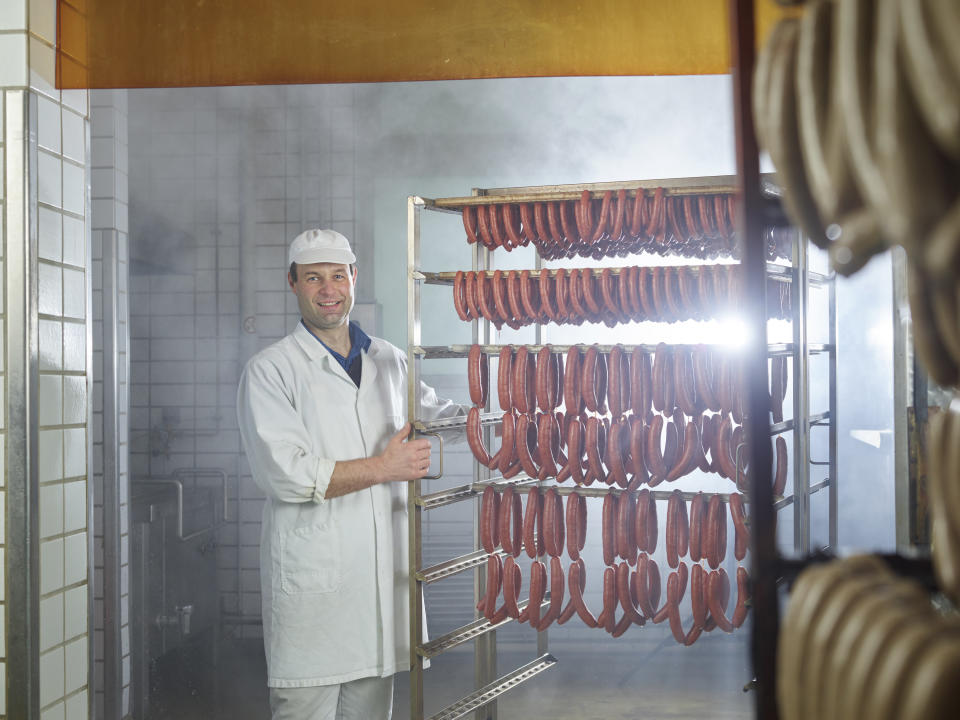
(448, 352)
(487, 693)
(468, 632)
(775, 271)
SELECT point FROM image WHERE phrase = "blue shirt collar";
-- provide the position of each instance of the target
(359, 340)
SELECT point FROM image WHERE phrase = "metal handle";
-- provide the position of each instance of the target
(440, 439)
(177, 484)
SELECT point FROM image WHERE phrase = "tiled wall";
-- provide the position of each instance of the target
(220, 181)
(50, 230)
(62, 133)
(110, 312)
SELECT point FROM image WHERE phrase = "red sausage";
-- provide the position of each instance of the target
(742, 541)
(475, 439)
(607, 529)
(533, 541)
(477, 375)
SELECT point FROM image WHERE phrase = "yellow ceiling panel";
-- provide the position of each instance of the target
(171, 43)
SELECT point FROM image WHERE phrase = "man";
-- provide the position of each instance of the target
(323, 418)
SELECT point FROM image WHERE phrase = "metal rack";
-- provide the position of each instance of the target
(799, 350)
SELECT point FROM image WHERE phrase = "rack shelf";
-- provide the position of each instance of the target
(800, 350)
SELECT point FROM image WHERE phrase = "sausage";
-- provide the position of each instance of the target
(674, 596)
(548, 378)
(578, 312)
(653, 455)
(469, 215)
(475, 439)
(568, 222)
(716, 532)
(588, 287)
(545, 446)
(470, 295)
(554, 531)
(684, 381)
(780, 477)
(618, 399)
(641, 520)
(561, 291)
(655, 216)
(573, 525)
(505, 378)
(607, 618)
(477, 375)
(553, 225)
(572, 378)
(527, 227)
(690, 455)
(743, 595)
(512, 580)
(718, 593)
(576, 586)
(511, 223)
(640, 581)
(637, 463)
(511, 511)
(704, 377)
(698, 595)
(494, 577)
(626, 538)
(514, 301)
(640, 384)
(595, 469)
(524, 380)
(529, 298)
(659, 379)
(460, 297)
(688, 294)
(500, 302)
(721, 449)
(671, 293)
(575, 448)
(607, 528)
(617, 440)
(526, 435)
(556, 594)
(603, 222)
(627, 313)
(489, 519)
(484, 296)
(637, 215)
(538, 586)
(697, 517)
(532, 540)
(507, 455)
(683, 526)
(540, 222)
(626, 596)
(548, 298)
(742, 540)
(671, 444)
(673, 528)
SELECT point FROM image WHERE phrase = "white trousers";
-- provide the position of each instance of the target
(364, 699)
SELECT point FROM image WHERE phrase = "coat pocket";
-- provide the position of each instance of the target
(310, 559)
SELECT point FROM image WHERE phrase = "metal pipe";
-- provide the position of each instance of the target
(763, 638)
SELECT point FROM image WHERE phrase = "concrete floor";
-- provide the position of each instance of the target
(647, 676)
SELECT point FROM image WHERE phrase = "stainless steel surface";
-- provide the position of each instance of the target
(439, 454)
(489, 692)
(902, 400)
(414, 206)
(801, 400)
(444, 570)
(438, 352)
(816, 419)
(112, 530)
(834, 470)
(22, 545)
(470, 631)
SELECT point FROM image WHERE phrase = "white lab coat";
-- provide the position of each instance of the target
(333, 572)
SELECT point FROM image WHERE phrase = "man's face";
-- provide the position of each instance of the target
(324, 293)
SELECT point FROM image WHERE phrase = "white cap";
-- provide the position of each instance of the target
(318, 246)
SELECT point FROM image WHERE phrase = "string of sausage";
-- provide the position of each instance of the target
(609, 295)
(693, 226)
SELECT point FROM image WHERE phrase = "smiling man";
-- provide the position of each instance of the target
(322, 414)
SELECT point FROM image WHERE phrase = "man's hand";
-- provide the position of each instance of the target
(405, 459)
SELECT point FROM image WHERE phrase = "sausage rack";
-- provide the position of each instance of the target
(482, 701)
